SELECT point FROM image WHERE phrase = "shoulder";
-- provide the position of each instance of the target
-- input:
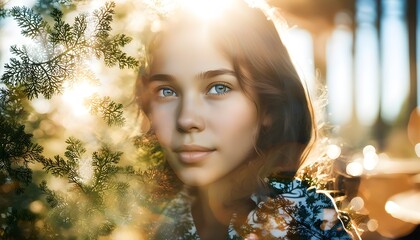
(294, 210)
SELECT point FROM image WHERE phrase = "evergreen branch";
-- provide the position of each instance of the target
(11, 106)
(105, 165)
(103, 18)
(31, 23)
(79, 29)
(59, 56)
(65, 47)
(35, 78)
(67, 168)
(75, 149)
(110, 49)
(52, 198)
(90, 203)
(107, 109)
(16, 148)
(3, 13)
(108, 46)
(62, 31)
(57, 167)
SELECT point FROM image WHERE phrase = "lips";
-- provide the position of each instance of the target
(193, 153)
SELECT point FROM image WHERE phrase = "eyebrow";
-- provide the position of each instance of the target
(161, 77)
(203, 75)
(214, 73)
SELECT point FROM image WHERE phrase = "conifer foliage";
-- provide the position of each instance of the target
(89, 194)
(56, 57)
(62, 47)
(59, 55)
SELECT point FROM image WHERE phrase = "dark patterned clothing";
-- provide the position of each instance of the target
(294, 211)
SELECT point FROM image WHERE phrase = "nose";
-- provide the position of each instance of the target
(190, 118)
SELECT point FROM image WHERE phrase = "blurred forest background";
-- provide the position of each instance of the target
(73, 164)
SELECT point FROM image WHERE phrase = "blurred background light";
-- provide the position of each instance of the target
(354, 169)
(417, 149)
(300, 46)
(75, 97)
(395, 60)
(333, 151)
(41, 105)
(340, 75)
(357, 204)
(366, 61)
(372, 225)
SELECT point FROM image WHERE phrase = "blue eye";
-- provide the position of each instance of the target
(167, 92)
(219, 89)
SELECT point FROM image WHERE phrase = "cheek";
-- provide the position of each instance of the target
(162, 122)
(239, 117)
(238, 125)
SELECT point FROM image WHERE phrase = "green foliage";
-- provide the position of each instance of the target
(59, 53)
(3, 12)
(62, 49)
(52, 198)
(104, 164)
(11, 106)
(32, 25)
(109, 46)
(87, 195)
(110, 111)
(42, 69)
(16, 148)
(67, 168)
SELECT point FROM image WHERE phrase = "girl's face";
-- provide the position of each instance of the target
(203, 120)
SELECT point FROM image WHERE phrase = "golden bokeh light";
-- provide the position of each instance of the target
(333, 151)
(417, 149)
(404, 206)
(36, 206)
(357, 203)
(370, 158)
(372, 225)
(354, 169)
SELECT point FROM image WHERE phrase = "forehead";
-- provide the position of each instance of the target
(187, 49)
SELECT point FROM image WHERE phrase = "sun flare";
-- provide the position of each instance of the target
(205, 9)
(76, 95)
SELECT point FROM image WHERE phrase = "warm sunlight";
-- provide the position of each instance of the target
(75, 96)
(206, 10)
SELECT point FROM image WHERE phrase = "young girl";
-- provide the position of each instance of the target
(233, 119)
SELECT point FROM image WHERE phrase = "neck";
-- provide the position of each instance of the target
(217, 202)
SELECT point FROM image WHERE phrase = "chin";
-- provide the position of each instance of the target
(195, 180)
